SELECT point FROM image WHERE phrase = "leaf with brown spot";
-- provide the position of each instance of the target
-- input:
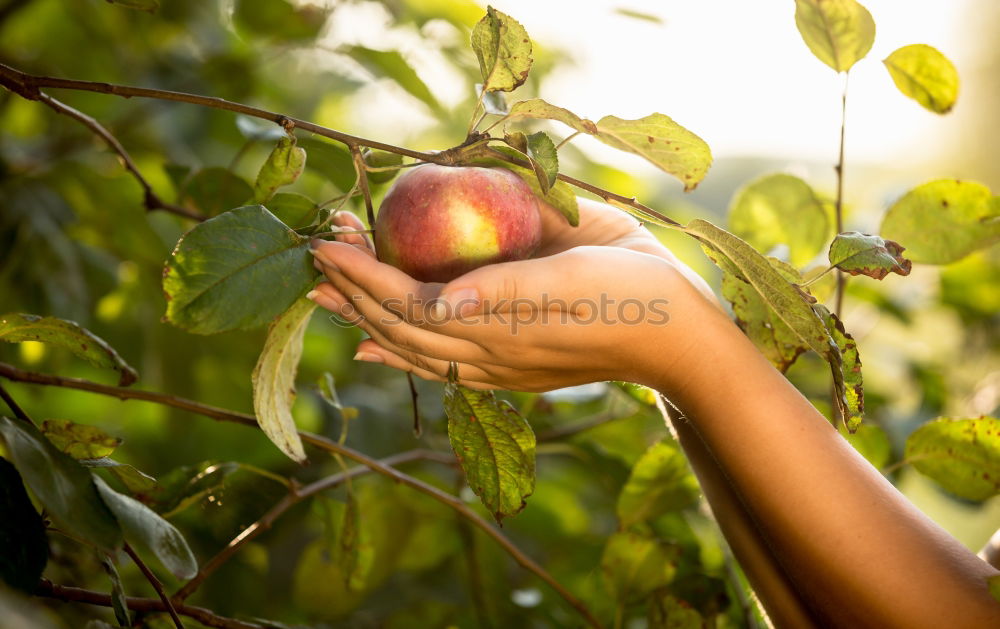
(853, 392)
(504, 51)
(962, 455)
(864, 254)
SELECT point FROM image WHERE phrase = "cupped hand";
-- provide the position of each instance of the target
(604, 301)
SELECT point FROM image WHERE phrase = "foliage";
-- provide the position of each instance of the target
(601, 501)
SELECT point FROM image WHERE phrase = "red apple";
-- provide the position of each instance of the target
(438, 222)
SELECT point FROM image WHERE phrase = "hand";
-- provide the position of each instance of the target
(581, 313)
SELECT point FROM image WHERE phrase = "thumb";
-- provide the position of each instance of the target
(504, 287)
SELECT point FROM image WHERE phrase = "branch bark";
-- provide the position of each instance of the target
(78, 595)
(13, 373)
(146, 572)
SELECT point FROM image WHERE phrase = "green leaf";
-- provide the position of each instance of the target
(961, 455)
(136, 481)
(143, 524)
(871, 442)
(634, 564)
(24, 549)
(670, 612)
(236, 271)
(761, 323)
(851, 391)
(863, 254)
(544, 160)
(392, 64)
(17, 327)
(330, 161)
(383, 159)
(789, 302)
(119, 602)
(62, 485)
(781, 209)
(965, 211)
(493, 102)
(189, 484)
(280, 20)
(274, 378)
(150, 6)
(560, 196)
(838, 32)
(80, 441)
(925, 75)
(495, 447)
(281, 168)
(213, 191)
(660, 481)
(293, 209)
(328, 392)
(503, 49)
(656, 138)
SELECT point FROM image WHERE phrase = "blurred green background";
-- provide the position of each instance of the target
(76, 243)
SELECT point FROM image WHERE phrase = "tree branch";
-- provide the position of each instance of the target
(14, 407)
(78, 595)
(290, 500)
(146, 572)
(13, 373)
(27, 86)
(362, 169)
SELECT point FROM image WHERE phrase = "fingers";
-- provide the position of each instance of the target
(361, 241)
(370, 351)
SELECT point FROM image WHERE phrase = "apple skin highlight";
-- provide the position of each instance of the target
(439, 222)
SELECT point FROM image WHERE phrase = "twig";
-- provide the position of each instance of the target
(14, 408)
(360, 167)
(13, 373)
(26, 86)
(78, 595)
(567, 139)
(839, 204)
(155, 583)
(150, 200)
(417, 428)
(568, 430)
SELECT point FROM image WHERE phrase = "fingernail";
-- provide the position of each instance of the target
(457, 304)
(312, 294)
(368, 357)
(314, 245)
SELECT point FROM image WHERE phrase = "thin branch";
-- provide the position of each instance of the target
(417, 428)
(474, 121)
(458, 505)
(361, 167)
(26, 86)
(78, 595)
(155, 583)
(14, 408)
(150, 200)
(839, 206)
(287, 502)
(567, 139)
(568, 430)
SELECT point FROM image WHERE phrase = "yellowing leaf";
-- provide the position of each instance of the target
(634, 564)
(495, 447)
(838, 32)
(851, 391)
(864, 254)
(925, 75)
(17, 327)
(503, 49)
(962, 455)
(274, 378)
(943, 221)
(660, 481)
(656, 138)
(80, 441)
(781, 209)
(281, 168)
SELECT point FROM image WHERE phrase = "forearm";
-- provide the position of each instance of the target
(770, 582)
(858, 550)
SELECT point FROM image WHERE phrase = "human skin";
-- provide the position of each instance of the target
(825, 539)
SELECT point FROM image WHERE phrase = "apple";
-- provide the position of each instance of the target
(439, 222)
